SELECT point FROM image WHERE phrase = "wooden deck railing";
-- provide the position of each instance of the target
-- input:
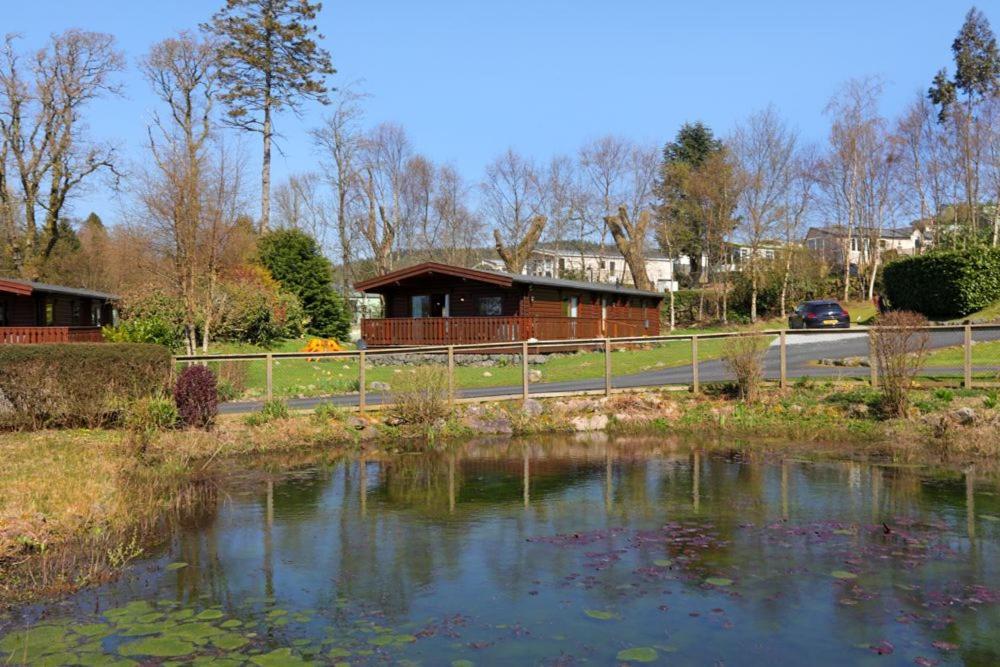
(34, 335)
(462, 330)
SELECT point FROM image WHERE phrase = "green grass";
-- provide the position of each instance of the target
(983, 354)
(303, 377)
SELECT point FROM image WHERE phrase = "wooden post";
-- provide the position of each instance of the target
(783, 351)
(607, 366)
(269, 375)
(524, 370)
(872, 359)
(451, 372)
(361, 381)
(694, 365)
(967, 362)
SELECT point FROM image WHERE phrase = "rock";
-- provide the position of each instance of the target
(532, 408)
(857, 410)
(965, 416)
(487, 374)
(379, 386)
(499, 425)
(590, 423)
(356, 423)
(534, 375)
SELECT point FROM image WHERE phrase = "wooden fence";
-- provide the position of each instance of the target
(34, 335)
(524, 349)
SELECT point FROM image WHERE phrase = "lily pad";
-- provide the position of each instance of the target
(989, 517)
(843, 574)
(337, 652)
(600, 615)
(158, 647)
(638, 654)
(663, 562)
(179, 565)
(229, 641)
(719, 581)
(209, 615)
(282, 657)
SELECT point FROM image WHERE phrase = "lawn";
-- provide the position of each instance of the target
(304, 377)
(983, 354)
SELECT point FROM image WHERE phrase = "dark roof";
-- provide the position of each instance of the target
(501, 278)
(27, 287)
(838, 232)
(607, 250)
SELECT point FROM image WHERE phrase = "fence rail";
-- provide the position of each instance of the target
(968, 369)
(34, 335)
(408, 331)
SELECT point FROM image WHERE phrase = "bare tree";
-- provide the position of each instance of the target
(45, 155)
(190, 193)
(458, 228)
(302, 204)
(384, 153)
(339, 140)
(513, 203)
(764, 148)
(798, 200)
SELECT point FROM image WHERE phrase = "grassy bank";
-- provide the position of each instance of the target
(76, 506)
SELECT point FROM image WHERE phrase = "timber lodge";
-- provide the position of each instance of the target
(439, 304)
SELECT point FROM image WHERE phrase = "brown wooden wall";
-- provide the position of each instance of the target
(462, 297)
(29, 311)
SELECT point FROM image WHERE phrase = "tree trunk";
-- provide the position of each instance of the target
(673, 318)
(265, 172)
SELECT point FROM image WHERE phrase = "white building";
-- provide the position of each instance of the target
(598, 264)
(830, 241)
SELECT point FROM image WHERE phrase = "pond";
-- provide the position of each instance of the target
(556, 552)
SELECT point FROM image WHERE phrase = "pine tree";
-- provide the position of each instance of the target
(269, 59)
(294, 259)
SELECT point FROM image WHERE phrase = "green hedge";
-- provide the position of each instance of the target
(944, 284)
(77, 384)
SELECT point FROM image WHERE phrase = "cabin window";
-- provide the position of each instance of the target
(95, 314)
(571, 306)
(75, 312)
(420, 305)
(489, 306)
(50, 312)
(562, 264)
(612, 268)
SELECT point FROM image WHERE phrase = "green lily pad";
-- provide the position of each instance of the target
(231, 623)
(663, 562)
(719, 581)
(176, 566)
(337, 652)
(209, 615)
(282, 657)
(158, 647)
(843, 574)
(989, 517)
(462, 663)
(638, 654)
(91, 629)
(229, 641)
(600, 615)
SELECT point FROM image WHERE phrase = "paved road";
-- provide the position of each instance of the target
(803, 351)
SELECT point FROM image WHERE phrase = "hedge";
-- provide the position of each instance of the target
(77, 384)
(944, 284)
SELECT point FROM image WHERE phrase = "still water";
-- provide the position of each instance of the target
(561, 551)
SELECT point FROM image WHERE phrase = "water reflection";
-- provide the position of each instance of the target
(580, 548)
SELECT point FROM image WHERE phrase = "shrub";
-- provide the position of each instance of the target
(232, 379)
(420, 396)
(152, 413)
(270, 411)
(944, 284)
(154, 330)
(196, 396)
(743, 356)
(257, 310)
(900, 351)
(77, 384)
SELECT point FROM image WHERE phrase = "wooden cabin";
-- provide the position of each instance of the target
(439, 304)
(33, 312)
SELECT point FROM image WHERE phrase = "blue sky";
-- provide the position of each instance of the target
(468, 79)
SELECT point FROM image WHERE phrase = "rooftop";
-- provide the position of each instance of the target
(28, 287)
(501, 278)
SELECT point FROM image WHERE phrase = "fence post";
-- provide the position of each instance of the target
(967, 361)
(872, 359)
(607, 366)
(269, 381)
(361, 381)
(451, 372)
(783, 352)
(694, 365)
(524, 370)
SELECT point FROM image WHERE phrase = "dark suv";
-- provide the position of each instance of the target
(819, 314)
